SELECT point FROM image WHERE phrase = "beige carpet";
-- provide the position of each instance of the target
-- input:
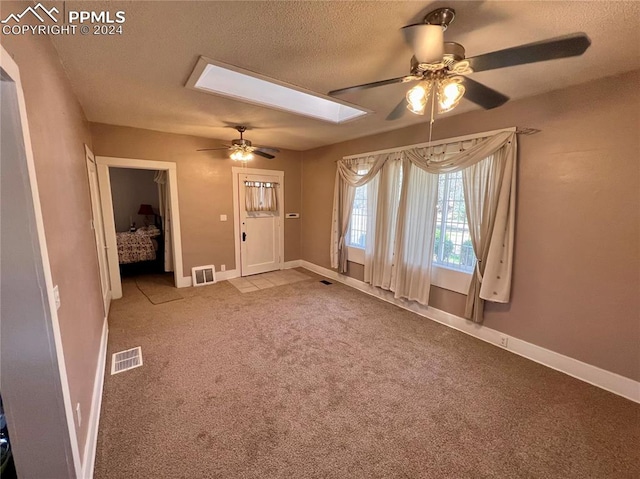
(158, 288)
(313, 381)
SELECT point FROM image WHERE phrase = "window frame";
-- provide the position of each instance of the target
(441, 224)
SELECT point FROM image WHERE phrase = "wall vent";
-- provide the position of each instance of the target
(125, 360)
(203, 275)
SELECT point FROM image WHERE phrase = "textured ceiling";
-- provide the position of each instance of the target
(137, 79)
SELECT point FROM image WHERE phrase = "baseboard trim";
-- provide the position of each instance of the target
(229, 274)
(292, 264)
(588, 373)
(185, 282)
(89, 457)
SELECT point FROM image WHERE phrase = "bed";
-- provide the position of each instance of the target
(137, 246)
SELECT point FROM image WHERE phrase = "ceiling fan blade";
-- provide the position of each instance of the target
(365, 86)
(263, 154)
(482, 95)
(214, 149)
(398, 112)
(267, 149)
(561, 47)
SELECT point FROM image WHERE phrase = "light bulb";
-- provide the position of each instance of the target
(241, 155)
(417, 98)
(450, 92)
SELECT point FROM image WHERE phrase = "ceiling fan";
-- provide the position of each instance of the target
(442, 69)
(242, 150)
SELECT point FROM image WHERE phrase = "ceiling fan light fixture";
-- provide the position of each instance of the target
(450, 92)
(241, 154)
(418, 96)
(427, 42)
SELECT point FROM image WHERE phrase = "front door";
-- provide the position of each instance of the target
(261, 232)
(98, 229)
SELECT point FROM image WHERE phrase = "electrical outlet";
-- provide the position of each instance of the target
(56, 296)
(78, 415)
(504, 341)
(223, 267)
(223, 217)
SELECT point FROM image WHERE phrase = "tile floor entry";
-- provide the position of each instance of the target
(268, 280)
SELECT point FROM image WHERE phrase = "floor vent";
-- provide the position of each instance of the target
(324, 281)
(203, 275)
(125, 360)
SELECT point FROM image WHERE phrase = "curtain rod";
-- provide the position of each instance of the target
(526, 131)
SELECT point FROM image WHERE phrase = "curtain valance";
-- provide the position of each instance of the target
(349, 169)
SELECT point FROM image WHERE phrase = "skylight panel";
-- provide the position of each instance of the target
(232, 82)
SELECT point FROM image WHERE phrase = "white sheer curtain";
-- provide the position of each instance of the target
(165, 215)
(372, 207)
(415, 234)
(260, 196)
(378, 267)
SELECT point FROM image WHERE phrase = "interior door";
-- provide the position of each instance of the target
(260, 231)
(98, 230)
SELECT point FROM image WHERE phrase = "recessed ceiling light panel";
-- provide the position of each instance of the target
(233, 82)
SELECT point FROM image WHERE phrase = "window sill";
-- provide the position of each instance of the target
(442, 277)
(355, 255)
(451, 279)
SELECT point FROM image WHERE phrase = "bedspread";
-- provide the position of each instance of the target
(133, 247)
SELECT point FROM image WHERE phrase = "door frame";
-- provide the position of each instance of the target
(96, 209)
(103, 164)
(16, 415)
(236, 171)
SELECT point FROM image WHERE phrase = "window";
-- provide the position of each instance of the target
(452, 248)
(356, 237)
(456, 251)
(453, 256)
(357, 234)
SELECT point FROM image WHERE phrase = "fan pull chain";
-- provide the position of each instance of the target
(433, 105)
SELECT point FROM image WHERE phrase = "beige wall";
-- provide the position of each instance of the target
(58, 134)
(576, 287)
(204, 188)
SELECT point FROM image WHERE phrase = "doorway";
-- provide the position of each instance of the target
(259, 220)
(169, 221)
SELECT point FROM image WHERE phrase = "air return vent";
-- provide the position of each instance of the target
(125, 360)
(203, 275)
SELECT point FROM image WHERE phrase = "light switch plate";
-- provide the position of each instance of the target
(223, 217)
